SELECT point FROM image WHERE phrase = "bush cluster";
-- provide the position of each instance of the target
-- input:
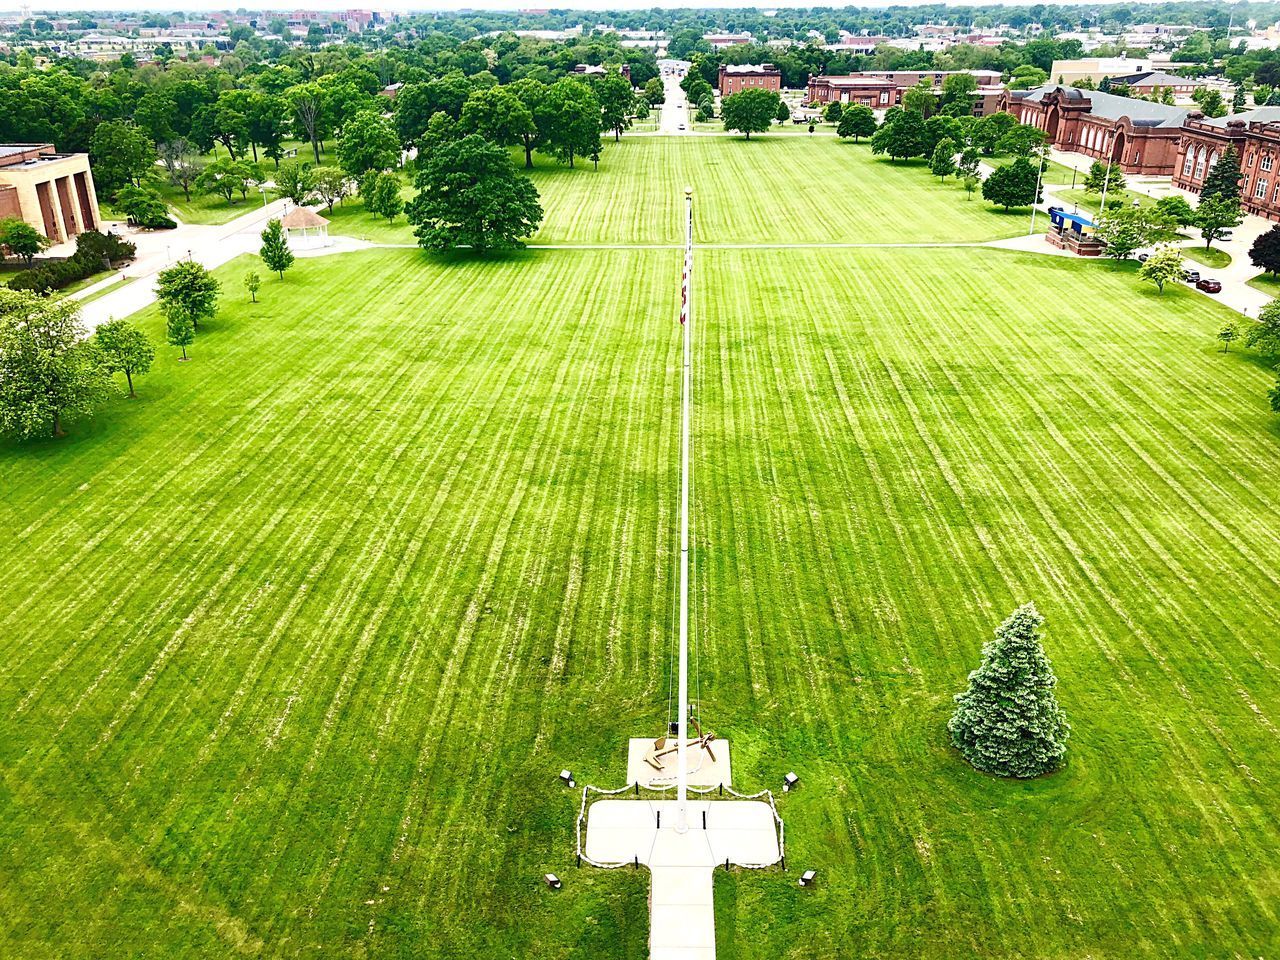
(94, 251)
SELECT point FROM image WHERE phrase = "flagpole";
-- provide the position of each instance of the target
(682, 724)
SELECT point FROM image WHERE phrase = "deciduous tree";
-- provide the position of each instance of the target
(188, 291)
(252, 283)
(920, 99)
(331, 185)
(225, 177)
(498, 114)
(1264, 336)
(22, 240)
(470, 195)
(1265, 252)
(569, 120)
(48, 369)
(382, 196)
(1228, 334)
(1013, 185)
(943, 162)
(296, 181)
(1163, 266)
(857, 122)
(616, 100)
(750, 111)
(1008, 721)
(1175, 210)
(1217, 215)
(1125, 231)
(368, 142)
(120, 153)
(124, 349)
(901, 136)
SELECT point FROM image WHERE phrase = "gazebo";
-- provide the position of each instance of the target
(304, 228)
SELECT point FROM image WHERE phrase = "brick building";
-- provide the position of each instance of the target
(749, 76)
(1256, 136)
(881, 89)
(1154, 81)
(1140, 136)
(51, 191)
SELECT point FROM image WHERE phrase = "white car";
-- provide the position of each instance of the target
(681, 127)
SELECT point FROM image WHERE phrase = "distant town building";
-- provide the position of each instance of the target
(881, 89)
(1152, 82)
(600, 68)
(1096, 69)
(51, 191)
(749, 76)
(720, 41)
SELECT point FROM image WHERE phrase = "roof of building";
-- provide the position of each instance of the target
(750, 68)
(9, 149)
(1257, 115)
(1110, 106)
(855, 81)
(1155, 78)
(301, 218)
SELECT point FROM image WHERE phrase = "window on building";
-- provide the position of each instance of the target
(1260, 190)
(1188, 162)
(1275, 194)
(1200, 163)
(1267, 161)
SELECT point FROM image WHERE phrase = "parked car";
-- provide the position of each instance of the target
(1209, 286)
(680, 127)
(1191, 276)
(1225, 235)
(1142, 258)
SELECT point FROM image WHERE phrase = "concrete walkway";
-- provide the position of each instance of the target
(1236, 292)
(681, 865)
(211, 246)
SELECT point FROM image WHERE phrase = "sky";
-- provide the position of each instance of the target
(170, 6)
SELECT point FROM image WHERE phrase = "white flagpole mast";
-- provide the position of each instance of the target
(682, 726)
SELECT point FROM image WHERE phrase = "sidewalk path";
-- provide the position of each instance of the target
(211, 246)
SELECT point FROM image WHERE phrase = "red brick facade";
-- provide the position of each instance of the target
(1141, 137)
(881, 89)
(1257, 142)
(764, 76)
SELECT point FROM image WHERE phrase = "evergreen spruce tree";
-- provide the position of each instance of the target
(1008, 722)
(1223, 179)
(275, 250)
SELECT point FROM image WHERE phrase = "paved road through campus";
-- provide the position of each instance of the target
(675, 109)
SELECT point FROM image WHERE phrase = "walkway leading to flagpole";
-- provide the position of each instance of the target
(681, 841)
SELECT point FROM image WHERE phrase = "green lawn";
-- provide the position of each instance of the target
(771, 189)
(1055, 173)
(208, 208)
(1212, 257)
(298, 640)
(1092, 202)
(1267, 283)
